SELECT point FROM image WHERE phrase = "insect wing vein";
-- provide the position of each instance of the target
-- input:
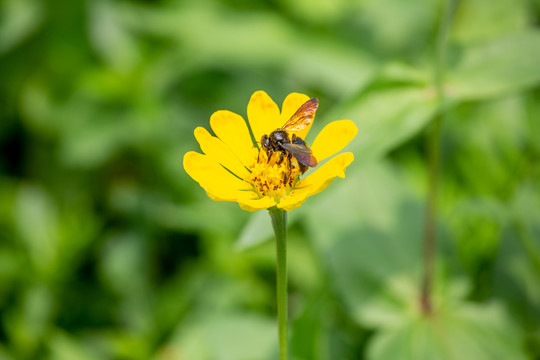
(303, 117)
(302, 153)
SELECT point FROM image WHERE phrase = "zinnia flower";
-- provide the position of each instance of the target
(233, 168)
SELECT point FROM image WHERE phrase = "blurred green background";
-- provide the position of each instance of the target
(108, 250)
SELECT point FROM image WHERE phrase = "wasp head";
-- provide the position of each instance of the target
(265, 141)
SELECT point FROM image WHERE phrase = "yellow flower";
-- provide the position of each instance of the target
(233, 169)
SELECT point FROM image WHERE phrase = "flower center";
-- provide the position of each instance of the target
(271, 178)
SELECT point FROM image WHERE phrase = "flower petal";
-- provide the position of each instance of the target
(263, 114)
(217, 150)
(218, 182)
(292, 103)
(333, 138)
(232, 129)
(293, 200)
(256, 204)
(323, 176)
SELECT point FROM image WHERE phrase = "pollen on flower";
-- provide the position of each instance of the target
(272, 179)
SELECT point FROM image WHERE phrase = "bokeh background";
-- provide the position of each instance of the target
(108, 250)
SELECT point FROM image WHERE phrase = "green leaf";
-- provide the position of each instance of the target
(18, 19)
(372, 244)
(397, 26)
(467, 332)
(307, 331)
(29, 322)
(517, 265)
(386, 118)
(110, 36)
(370, 241)
(257, 230)
(66, 347)
(37, 220)
(505, 65)
(215, 36)
(226, 337)
(4, 354)
(477, 20)
(317, 333)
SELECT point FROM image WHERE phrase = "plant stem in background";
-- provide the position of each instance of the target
(433, 154)
(279, 223)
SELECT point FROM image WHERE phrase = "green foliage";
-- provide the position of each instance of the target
(108, 250)
(513, 59)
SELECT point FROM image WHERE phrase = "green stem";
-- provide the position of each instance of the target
(433, 154)
(279, 223)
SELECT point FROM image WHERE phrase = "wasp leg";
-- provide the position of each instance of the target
(286, 175)
(269, 155)
(289, 163)
(281, 157)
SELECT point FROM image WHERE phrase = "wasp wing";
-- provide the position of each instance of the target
(302, 117)
(302, 153)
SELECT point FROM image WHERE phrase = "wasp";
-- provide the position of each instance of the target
(288, 147)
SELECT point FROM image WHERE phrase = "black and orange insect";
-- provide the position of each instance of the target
(279, 140)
